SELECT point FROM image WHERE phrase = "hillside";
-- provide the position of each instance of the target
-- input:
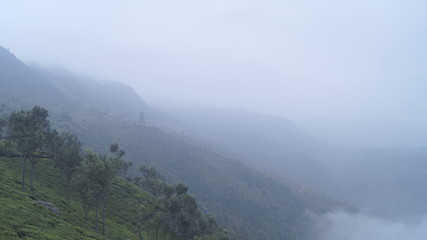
(249, 203)
(21, 217)
(391, 185)
(20, 85)
(267, 142)
(240, 198)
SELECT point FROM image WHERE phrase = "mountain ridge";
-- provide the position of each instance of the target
(242, 198)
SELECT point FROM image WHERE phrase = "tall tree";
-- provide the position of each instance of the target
(54, 143)
(151, 181)
(68, 158)
(28, 129)
(86, 185)
(122, 165)
(96, 176)
(105, 177)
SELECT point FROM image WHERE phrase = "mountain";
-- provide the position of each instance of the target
(107, 96)
(60, 89)
(22, 86)
(267, 142)
(46, 212)
(248, 202)
(384, 181)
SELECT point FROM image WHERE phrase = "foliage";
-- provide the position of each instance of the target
(178, 212)
(247, 202)
(28, 129)
(21, 217)
(151, 180)
(96, 187)
(66, 151)
(122, 165)
(241, 199)
(97, 174)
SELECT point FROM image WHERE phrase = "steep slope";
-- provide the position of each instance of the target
(387, 181)
(240, 198)
(105, 96)
(21, 217)
(21, 85)
(246, 201)
(113, 97)
(61, 89)
(270, 143)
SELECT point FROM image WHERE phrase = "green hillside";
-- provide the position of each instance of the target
(242, 199)
(21, 217)
(249, 203)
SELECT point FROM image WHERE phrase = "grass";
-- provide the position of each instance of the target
(22, 218)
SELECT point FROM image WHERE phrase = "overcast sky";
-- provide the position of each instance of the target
(303, 59)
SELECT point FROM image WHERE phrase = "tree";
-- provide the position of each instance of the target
(3, 122)
(86, 186)
(96, 175)
(151, 181)
(122, 165)
(183, 211)
(125, 168)
(68, 158)
(28, 129)
(168, 190)
(181, 189)
(115, 149)
(104, 178)
(54, 143)
(177, 213)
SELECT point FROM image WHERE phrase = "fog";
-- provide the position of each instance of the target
(342, 225)
(324, 64)
(350, 73)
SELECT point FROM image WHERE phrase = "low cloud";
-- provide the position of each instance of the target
(340, 225)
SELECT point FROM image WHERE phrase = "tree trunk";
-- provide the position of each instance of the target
(86, 210)
(32, 175)
(68, 190)
(103, 217)
(96, 218)
(24, 167)
(157, 232)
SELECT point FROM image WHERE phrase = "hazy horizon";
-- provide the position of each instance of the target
(340, 70)
(349, 73)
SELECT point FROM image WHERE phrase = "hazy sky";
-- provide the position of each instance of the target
(301, 59)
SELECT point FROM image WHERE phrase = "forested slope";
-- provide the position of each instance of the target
(251, 204)
(22, 217)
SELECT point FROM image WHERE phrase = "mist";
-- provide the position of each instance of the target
(325, 100)
(317, 63)
(340, 225)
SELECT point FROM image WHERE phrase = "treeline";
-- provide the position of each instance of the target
(90, 176)
(177, 212)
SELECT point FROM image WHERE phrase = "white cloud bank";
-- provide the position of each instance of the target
(344, 226)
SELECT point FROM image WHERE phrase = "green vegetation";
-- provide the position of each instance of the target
(21, 217)
(65, 149)
(63, 206)
(28, 130)
(248, 203)
(243, 200)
